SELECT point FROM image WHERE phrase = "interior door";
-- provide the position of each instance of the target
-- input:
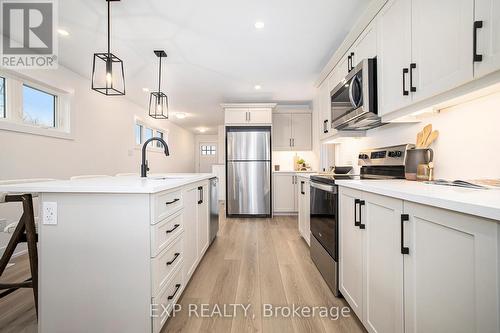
(301, 131)
(441, 45)
(383, 285)
(394, 55)
(350, 252)
(488, 37)
(282, 131)
(207, 156)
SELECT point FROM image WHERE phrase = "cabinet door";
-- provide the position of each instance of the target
(301, 208)
(325, 110)
(366, 45)
(307, 211)
(383, 284)
(282, 131)
(190, 231)
(236, 116)
(301, 131)
(203, 220)
(260, 116)
(393, 55)
(350, 252)
(451, 271)
(284, 193)
(488, 37)
(441, 45)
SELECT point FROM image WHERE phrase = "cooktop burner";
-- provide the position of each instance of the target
(330, 179)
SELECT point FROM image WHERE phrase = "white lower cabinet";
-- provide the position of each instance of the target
(407, 267)
(304, 193)
(284, 193)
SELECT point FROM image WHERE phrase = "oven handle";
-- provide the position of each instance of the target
(323, 187)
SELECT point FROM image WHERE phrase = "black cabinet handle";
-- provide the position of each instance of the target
(361, 225)
(412, 67)
(477, 57)
(348, 63)
(302, 187)
(177, 287)
(200, 192)
(352, 57)
(171, 230)
(171, 202)
(173, 259)
(325, 126)
(405, 92)
(356, 203)
(404, 250)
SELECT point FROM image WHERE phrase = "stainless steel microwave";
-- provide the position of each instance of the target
(354, 99)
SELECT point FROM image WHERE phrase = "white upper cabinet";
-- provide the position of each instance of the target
(487, 21)
(441, 46)
(366, 45)
(262, 116)
(282, 131)
(236, 116)
(301, 131)
(325, 111)
(248, 114)
(394, 55)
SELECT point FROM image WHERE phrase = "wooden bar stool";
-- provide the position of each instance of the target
(25, 232)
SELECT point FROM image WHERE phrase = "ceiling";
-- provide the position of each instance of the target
(215, 53)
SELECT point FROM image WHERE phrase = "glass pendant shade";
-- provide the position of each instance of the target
(158, 101)
(108, 77)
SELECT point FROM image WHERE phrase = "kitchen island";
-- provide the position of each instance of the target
(118, 251)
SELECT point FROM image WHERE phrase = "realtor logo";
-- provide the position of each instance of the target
(29, 34)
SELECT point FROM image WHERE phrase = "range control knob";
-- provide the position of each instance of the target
(399, 153)
(363, 156)
(392, 154)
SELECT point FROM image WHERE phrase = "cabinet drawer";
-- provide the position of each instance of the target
(165, 263)
(165, 231)
(167, 297)
(166, 204)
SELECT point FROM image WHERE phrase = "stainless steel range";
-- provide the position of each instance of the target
(379, 163)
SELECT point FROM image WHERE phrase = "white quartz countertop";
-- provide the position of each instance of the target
(479, 202)
(292, 171)
(127, 184)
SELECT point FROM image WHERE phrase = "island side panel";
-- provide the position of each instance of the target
(94, 265)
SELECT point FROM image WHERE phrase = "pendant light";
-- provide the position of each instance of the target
(158, 101)
(108, 77)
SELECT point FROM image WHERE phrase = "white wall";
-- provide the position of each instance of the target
(104, 141)
(467, 147)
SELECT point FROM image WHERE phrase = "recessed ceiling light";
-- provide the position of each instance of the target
(202, 129)
(145, 89)
(257, 87)
(180, 115)
(259, 25)
(63, 32)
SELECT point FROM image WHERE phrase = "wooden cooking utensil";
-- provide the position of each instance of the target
(419, 139)
(432, 137)
(427, 131)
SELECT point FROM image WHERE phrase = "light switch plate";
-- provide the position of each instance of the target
(49, 213)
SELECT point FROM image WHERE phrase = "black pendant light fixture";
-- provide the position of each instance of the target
(108, 77)
(158, 101)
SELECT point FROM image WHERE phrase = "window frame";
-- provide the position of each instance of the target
(54, 110)
(4, 115)
(14, 107)
(154, 146)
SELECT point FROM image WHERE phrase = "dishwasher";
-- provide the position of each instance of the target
(213, 204)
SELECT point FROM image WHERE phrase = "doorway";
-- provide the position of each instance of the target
(207, 156)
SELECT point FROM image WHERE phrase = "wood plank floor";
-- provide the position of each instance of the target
(252, 261)
(257, 262)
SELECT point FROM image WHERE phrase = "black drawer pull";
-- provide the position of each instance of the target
(200, 195)
(405, 92)
(171, 202)
(477, 57)
(173, 259)
(325, 126)
(175, 227)
(177, 287)
(404, 249)
(302, 187)
(412, 67)
(361, 225)
(356, 202)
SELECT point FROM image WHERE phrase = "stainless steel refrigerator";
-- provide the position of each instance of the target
(248, 171)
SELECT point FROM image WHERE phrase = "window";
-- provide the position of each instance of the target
(148, 134)
(208, 150)
(39, 107)
(159, 134)
(2, 97)
(138, 134)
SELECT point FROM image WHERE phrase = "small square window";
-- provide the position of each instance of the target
(2, 97)
(159, 135)
(138, 134)
(39, 107)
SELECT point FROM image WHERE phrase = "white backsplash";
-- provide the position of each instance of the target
(285, 159)
(467, 147)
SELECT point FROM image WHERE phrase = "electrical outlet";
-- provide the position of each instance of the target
(49, 213)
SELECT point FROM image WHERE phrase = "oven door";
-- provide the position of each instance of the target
(324, 224)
